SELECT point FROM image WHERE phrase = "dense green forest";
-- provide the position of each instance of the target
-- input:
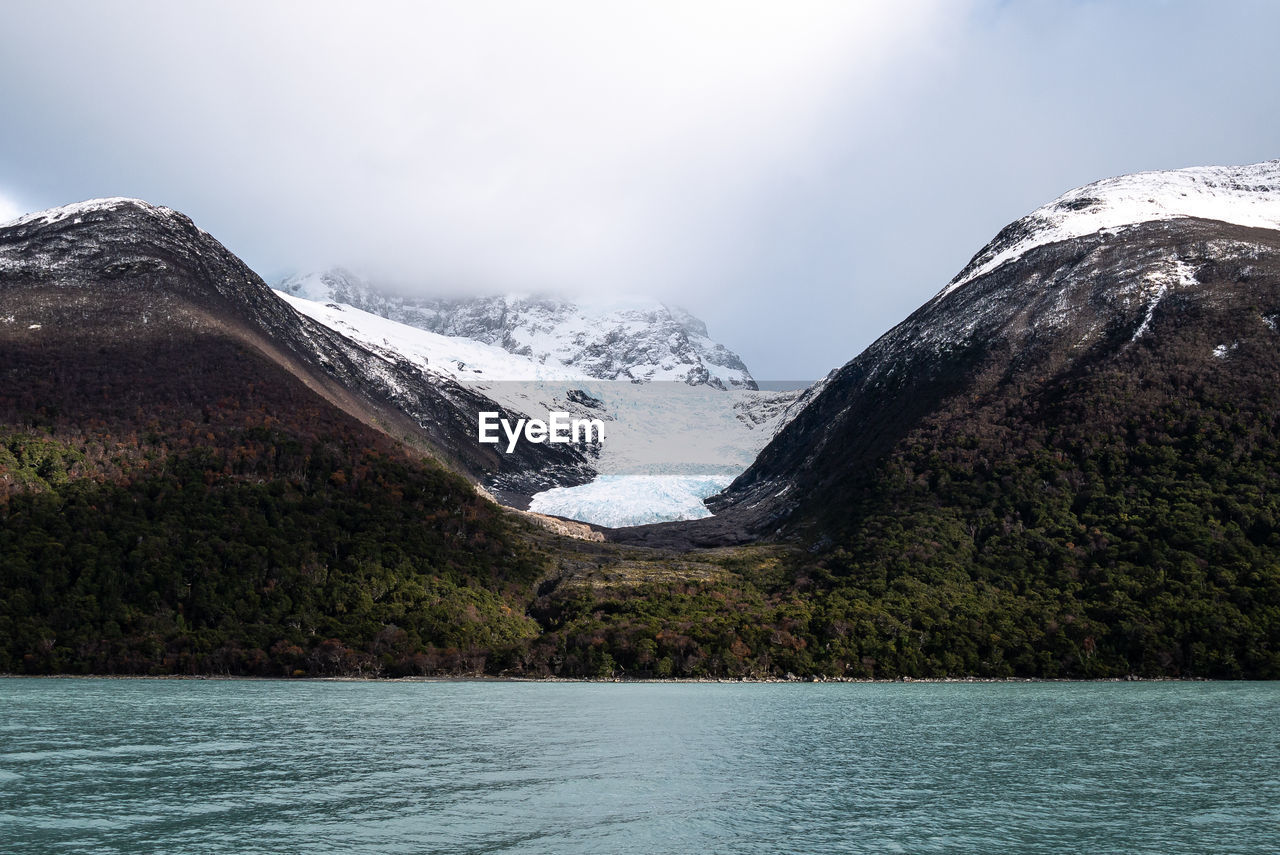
(217, 516)
(1100, 527)
(343, 569)
(1068, 559)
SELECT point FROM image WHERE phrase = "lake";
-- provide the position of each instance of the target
(231, 766)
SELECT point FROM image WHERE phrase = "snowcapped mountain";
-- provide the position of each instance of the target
(627, 340)
(1243, 195)
(668, 444)
(455, 357)
(1092, 313)
(143, 279)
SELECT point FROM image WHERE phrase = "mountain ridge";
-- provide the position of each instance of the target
(101, 268)
(639, 341)
(1241, 195)
(1012, 301)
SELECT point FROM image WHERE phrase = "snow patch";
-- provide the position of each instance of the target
(1177, 274)
(54, 215)
(1243, 195)
(1160, 291)
(616, 339)
(451, 356)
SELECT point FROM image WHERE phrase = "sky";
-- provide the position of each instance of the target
(800, 175)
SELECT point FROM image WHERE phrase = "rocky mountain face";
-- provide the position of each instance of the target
(637, 341)
(1072, 292)
(1030, 341)
(121, 293)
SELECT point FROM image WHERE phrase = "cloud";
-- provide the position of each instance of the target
(801, 175)
(9, 210)
(483, 145)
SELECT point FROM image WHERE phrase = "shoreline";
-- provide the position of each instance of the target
(480, 678)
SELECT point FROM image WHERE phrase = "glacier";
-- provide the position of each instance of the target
(616, 501)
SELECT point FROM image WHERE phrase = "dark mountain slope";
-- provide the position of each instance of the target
(1150, 307)
(1127, 266)
(121, 273)
(179, 491)
(1066, 463)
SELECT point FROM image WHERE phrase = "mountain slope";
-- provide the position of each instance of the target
(631, 341)
(187, 484)
(107, 269)
(1046, 316)
(1064, 463)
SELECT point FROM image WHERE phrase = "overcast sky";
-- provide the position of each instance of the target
(802, 175)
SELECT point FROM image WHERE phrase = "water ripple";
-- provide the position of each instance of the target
(107, 766)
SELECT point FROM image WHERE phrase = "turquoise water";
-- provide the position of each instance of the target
(309, 767)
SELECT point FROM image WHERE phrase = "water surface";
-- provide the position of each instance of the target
(149, 766)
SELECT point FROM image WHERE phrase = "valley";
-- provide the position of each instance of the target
(1063, 465)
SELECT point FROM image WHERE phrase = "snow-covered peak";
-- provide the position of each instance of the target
(458, 358)
(332, 286)
(54, 215)
(621, 339)
(1242, 195)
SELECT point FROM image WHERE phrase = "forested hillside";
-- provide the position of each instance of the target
(1064, 466)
